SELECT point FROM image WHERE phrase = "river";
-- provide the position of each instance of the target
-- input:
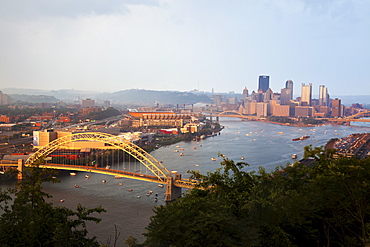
(262, 144)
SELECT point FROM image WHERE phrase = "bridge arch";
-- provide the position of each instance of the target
(224, 113)
(135, 151)
(359, 114)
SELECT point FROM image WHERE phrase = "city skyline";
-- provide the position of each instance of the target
(184, 45)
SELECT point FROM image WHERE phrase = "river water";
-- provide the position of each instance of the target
(262, 144)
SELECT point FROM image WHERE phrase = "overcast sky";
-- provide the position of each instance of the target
(112, 45)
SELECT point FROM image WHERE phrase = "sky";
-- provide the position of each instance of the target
(182, 45)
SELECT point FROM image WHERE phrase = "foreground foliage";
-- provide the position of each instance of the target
(325, 204)
(31, 221)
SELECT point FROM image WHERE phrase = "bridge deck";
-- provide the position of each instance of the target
(183, 183)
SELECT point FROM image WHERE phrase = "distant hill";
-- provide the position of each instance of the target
(161, 97)
(132, 96)
(33, 98)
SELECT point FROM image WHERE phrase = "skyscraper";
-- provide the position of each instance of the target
(285, 96)
(306, 94)
(245, 94)
(336, 110)
(323, 96)
(263, 82)
(289, 85)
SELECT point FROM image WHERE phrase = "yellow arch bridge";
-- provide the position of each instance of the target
(160, 174)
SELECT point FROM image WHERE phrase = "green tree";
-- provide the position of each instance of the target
(31, 221)
(210, 215)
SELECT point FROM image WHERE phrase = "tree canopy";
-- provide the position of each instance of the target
(325, 204)
(31, 221)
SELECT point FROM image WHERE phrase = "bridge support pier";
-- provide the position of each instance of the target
(20, 168)
(172, 192)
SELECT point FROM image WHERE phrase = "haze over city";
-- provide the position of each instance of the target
(185, 45)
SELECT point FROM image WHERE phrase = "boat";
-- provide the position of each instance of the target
(129, 190)
(281, 133)
(156, 199)
(195, 147)
(72, 173)
(176, 151)
(242, 158)
(181, 154)
(120, 184)
(76, 186)
(117, 177)
(301, 138)
(160, 185)
(87, 176)
(196, 165)
(61, 200)
(104, 181)
(213, 159)
(182, 148)
(294, 156)
(138, 196)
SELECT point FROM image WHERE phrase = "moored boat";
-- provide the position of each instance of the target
(294, 156)
(72, 173)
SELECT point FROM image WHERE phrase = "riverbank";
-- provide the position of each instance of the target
(297, 124)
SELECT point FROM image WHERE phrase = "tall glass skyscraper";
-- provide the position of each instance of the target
(323, 96)
(289, 85)
(263, 82)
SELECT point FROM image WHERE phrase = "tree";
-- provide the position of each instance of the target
(31, 221)
(210, 215)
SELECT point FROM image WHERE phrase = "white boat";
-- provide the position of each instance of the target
(242, 158)
(87, 176)
(213, 159)
(294, 156)
(103, 181)
(160, 185)
(72, 173)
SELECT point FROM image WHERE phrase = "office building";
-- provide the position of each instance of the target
(281, 110)
(323, 96)
(263, 83)
(245, 94)
(303, 111)
(87, 103)
(268, 95)
(285, 96)
(261, 109)
(336, 109)
(306, 94)
(4, 100)
(289, 85)
(217, 99)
